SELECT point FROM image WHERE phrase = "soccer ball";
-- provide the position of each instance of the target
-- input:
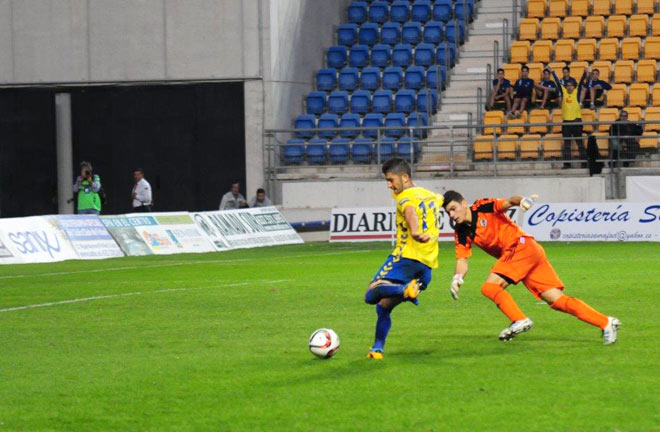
(324, 343)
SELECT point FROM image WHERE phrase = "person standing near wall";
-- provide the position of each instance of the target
(142, 197)
(87, 187)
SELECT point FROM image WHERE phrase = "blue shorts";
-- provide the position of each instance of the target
(403, 270)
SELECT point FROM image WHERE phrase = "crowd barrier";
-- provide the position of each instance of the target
(52, 238)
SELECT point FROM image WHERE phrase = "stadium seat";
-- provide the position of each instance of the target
(617, 96)
(380, 56)
(515, 125)
(402, 55)
(455, 31)
(507, 146)
(415, 76)
(594, 26)
(557, 67)
(390, 33)
(315, 102)
(425, 54)
(372, 120)
(631, 48)
(359, 56)
(623, 7)
(415, 120)
(316, 150)
(638, 95)
(357, 12)
(652, 114)
(588, 115)
(442, 10)
(459, 7)
(349, 120)
(328, 121)
(646, 71)
(427, 101)
(646, 6)
(520, 51)
(434, 32)
(580, 8)
(407, 150)
(368, 34)
(557, 8)
(542, 51)
(535, 71)
(564, 50)
(293, 151)
(577, 68)
(385, 148)
(529, 29)
(607, 115)
(529, 146)
(602, 7)
(655, 25)
(326, 79)
(395, 120)
(552, 145)
(623, 71)
(572, 27)
(382, 101)
(638, 25)
(349, 79)
(404, 101)
(556, 117)
(602, 142)
(536, 8)
(586, 50)
(539, 116)
(483, 147)
(608, 49)
(400, 11)
(305, 121)
(337, 56)
(634, 113)
(649, 142)
(494, 119)
(347, 34)
(605, 69)
(434, 74)
(378, 12)
(655, 95)
(421, 10)
(446, 54)
(652, 48)
(392, 78)
(361, 101)
(616, 26)
(550, 28)
(361, 150)
(338, 102)
(338, 150)
(512, 72)
(370, 78)
(411, 33)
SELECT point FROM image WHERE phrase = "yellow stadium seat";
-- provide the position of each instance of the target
(652, 48)
(539, 116)
(616, 26)
(529, 28)
(556, 117)
(623, 71)
(649, 141)
(607, 115)
(623, 7)
(550, 28)
(655, 25)
(602, 142)
(514, 125)
(594, 27)
(634, 113)
(557, 67)
(638, 25)
(552, 145)
(586, 49)
(558, 8)
(564, 50)
(483, 147)
(646, 71)
(631, 48)
(535, 71)
(605, 69)
(512, 72)
(529, 146)
(638, 95)
(572, 27)
(602, 7)
(520, 51)
(577, 69)
(652, 114)
(580, 8)
(536, 8)
(507, 146)
(588, 115)
(655, 95)
(617, 96)
(646, 6)
(495, 119)
(608, 49)
(542, 51)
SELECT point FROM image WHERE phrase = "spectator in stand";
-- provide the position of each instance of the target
(571, 113)
(141, 195)
(501, 91)
(233, 199)
(546, 89)
(623, 141)
(592, 88)
(523, 92)
(260, 199)
(566, 77)
(87, 187)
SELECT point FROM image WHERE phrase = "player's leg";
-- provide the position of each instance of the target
(546, 93)
(507, 99)
(383, 325)
(495, 289)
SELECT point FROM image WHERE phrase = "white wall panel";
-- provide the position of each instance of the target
(6, 50)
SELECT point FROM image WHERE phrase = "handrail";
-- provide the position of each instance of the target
(505, 39)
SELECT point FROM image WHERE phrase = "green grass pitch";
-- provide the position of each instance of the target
(218, 342)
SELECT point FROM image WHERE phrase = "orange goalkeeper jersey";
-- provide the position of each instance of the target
(491, 229)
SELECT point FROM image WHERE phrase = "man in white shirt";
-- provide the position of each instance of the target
(233, 199)
(260, 200)
(141, 192)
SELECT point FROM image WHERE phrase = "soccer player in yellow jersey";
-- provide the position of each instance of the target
(407, 270)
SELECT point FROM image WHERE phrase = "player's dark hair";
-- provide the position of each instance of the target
(500, 70)
(139, 170)
(564, 69)
(260, 190)
(451, 195)
(595, 70)
(397, 166)
(525, 68)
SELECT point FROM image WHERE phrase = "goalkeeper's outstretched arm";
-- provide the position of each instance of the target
(525, 203)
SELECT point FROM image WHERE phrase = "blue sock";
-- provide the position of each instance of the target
(383, 325)
(376, 294)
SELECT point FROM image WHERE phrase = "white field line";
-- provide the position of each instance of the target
(179, 264)
(137, 293)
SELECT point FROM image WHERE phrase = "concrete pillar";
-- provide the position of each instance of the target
(64, 152)
(254, 139)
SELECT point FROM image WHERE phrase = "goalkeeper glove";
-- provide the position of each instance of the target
(455, 287)
(527, 202)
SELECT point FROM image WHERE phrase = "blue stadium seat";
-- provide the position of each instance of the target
(442, 10)
(380, 56)
(293, 151)
(338, 150)
(347, 34)
(458, 10)
(328, 121)
(316, 102)
(434, 32)
(432, 78)
(425, 55)
(408, 149)
(402, 55)
(395, 119)
(404, 101)
(421, 10)
(361, 150)
(316, 150)
(382, 101)
(415, 76)
(455, 31)
(338, 102)
(372, 120)
(305, 121)
(411, 33)
(400, 11)
(370, 78)
(378, 12)
(326, 79)
(337, 57)
(369, 34)
(424, 98)
(418, 119)
(359, 56)
(385, 148)
(349, 120)
(446, 51)
(349, 79)
(361, 101)
(390, 33)
(392, 78)
(357, 12)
